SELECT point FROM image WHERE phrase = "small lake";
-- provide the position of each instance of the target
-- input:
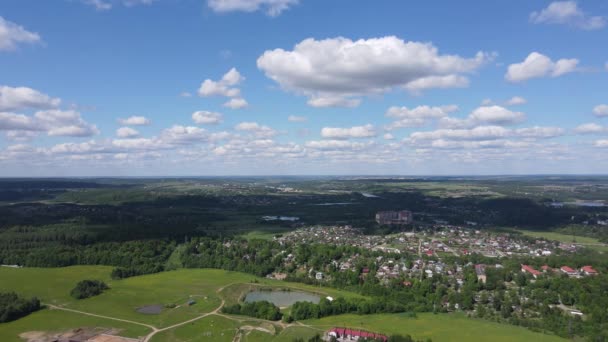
(151, 309)
(336, 203)
(368, 195)
(282, 298)
(579, 203)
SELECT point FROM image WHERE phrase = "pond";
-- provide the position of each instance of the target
(282, 298)
(150, 309)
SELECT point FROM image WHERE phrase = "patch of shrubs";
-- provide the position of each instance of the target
(262, 309)
(13, 307)
(88, 288)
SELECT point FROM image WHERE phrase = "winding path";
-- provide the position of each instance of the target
(156, 330)
(54, 307)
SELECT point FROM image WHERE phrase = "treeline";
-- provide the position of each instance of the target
(308, 310)
(13, 307)
(88, 288)
(260, 309)
(131, 257)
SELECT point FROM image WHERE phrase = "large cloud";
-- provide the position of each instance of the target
(271, 7)
(567, 13)
(366, 131)
(538, 65)
(336, 71)
(12, 34)
(16, 98)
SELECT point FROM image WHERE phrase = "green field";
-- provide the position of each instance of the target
(585, 241)
(566, 238)
(209, 287)
(53, 285)
(442, 327)
(60, 321)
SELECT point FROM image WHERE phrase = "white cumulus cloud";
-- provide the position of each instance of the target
(222, 87)
(567, 13)
(135, 121)
(337, 71)
(601, 143)
(590, 128)
(225, 87)
(16, 98)
(366, 131)
(126, 132)
(538, 65)
(295, 118)
(12, 35)
(271, 7)
(256, 129)
(418, 116)
(516, 101)
(207, 118)
(485, 115)
(236, 103)
(601, 110)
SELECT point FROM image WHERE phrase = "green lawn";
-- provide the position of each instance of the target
(567, 238)
(261, 235)
(441, 327)
(211, 328)
(62, 321)
(53, 285)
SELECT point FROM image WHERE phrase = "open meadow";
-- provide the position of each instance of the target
(210, 289)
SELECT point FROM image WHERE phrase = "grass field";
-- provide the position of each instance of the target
(61, 321)
(567, 238)
(585, 241)
(53, 285)
(212, 328)
(442, 327)
(209, 287)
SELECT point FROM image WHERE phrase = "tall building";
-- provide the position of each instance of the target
(394, 217)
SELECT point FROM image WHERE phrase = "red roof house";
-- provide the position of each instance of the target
(531, 270)
(588, 270)
(568, 270)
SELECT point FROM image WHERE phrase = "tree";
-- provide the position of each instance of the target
(88, 288)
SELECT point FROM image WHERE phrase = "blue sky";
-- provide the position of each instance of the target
(372, 87)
